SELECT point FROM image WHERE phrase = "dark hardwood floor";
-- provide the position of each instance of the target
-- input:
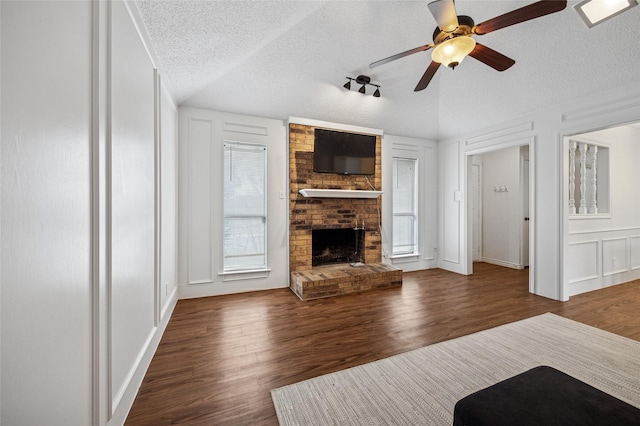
(220, 356)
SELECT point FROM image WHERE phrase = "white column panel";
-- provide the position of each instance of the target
(133, 197)
(200, 203)
(168, 197)
(46, 356)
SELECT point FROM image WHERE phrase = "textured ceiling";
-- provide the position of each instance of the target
(279, 59)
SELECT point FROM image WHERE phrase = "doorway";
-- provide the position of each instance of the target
(498, 217)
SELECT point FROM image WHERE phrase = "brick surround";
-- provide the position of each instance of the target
(329, 213)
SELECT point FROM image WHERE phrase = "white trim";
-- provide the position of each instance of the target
(501, 143)
(594, 114)
(100, 222)
(501, 263)
(157, 214)
(506, 132)
(334, 126)
(581, 216)
(624, 229)
(245, 128)
(620, 270)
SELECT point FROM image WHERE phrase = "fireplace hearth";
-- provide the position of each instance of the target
(331, 246)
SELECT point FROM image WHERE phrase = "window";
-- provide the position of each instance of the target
(245, 206)
(405, 215)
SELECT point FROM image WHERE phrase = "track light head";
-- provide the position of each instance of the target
(376, 94)
(362, 89)
(347, 85)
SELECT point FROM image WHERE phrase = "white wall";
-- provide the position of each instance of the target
(81, 310)
(543, 131)
(202, 135)
(425, 152)
(46, 213)
(604, 249)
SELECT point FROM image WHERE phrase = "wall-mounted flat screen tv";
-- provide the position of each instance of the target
(344, 153)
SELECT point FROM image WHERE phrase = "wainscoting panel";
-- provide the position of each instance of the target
(614, 256)
(583, 261)
(598, 259)
(634, 252)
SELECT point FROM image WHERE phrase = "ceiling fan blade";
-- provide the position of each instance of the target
(526, 13)
(427, 76)
(495, 60)
(444, 11)
(400, 55)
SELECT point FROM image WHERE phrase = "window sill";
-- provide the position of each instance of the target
(404, 256)
(244, 274)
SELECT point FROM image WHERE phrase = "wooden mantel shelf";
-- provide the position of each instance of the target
(338, 193)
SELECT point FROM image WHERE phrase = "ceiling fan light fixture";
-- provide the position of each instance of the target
(594, 12)
(451, 52)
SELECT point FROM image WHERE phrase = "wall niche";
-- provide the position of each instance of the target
(589, 177)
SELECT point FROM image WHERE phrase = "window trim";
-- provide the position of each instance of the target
(415, 214)
(249, 269)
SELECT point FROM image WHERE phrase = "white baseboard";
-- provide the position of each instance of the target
(502, 263)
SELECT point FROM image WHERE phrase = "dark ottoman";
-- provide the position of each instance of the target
(543, 396)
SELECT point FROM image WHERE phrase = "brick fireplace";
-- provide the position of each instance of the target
(333, 214)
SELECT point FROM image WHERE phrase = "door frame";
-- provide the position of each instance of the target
(531, 143)
(479, 213)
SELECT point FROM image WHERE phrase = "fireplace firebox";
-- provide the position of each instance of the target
(345, 245)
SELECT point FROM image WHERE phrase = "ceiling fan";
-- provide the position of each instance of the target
(452, 40)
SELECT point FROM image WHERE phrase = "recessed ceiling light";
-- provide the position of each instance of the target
(594, 12)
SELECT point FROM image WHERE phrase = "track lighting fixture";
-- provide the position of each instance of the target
(364, 81)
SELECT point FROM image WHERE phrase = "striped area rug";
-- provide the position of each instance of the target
(421, 387)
